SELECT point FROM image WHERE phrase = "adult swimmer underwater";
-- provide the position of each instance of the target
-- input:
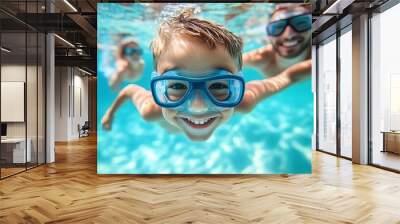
(288, 32)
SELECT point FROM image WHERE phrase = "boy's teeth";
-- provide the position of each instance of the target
(198, 121)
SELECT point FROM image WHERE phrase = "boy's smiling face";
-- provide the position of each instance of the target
(197, 121)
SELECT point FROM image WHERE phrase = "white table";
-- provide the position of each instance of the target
(19, 155)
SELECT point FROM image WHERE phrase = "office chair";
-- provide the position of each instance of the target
(84, 130)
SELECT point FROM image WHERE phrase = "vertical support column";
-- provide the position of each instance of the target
(0, 101)
(316, 66)
(50, 93)
(338, 77)
(92, 103)
(314, 91)
(360, 90)
(71, 117)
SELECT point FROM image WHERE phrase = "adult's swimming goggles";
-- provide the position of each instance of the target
(129, 51)
(173, 88)
(299, 23)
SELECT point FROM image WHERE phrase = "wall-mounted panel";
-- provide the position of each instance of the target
(12, 98)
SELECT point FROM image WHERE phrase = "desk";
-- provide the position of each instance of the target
(391, 141)
(18, 149)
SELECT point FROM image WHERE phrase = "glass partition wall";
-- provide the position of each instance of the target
(22, 77)
(13, 88)
(334, 94)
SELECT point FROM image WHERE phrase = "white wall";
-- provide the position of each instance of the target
(71, 87)
(81, 84)
(13, 73)
(13, 100)
(61, 103)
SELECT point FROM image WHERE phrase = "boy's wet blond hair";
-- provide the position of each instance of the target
(212, 34)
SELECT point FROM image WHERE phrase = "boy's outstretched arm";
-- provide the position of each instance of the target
(258, 90)
(141, 98)
(117, 76)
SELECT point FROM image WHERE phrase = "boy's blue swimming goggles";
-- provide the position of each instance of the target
(129, 51)
(299, 23)
(173, 88)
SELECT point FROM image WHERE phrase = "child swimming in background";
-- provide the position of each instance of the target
(130, 64)
(197, 82)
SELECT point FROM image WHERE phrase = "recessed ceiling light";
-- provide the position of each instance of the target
(65, 41)
(337, 7)
(5, 50)
(84, 71)
(70, 5)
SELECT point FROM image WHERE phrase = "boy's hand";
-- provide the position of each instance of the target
(122, 64)
(106, 121)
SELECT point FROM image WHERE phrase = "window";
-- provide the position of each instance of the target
(385, 89)
(327, 95)
(346, 74)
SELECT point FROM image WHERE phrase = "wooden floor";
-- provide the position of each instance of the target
(70, 191)
(10, 171)
(387, 159)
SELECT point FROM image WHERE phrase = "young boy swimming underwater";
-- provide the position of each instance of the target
(197, 84)
(129, 62)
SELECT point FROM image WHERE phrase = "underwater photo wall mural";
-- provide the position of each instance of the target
(204, 88)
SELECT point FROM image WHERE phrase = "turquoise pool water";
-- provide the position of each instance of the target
(274, 138)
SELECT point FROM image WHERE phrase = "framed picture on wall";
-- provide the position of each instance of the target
(204, 88)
